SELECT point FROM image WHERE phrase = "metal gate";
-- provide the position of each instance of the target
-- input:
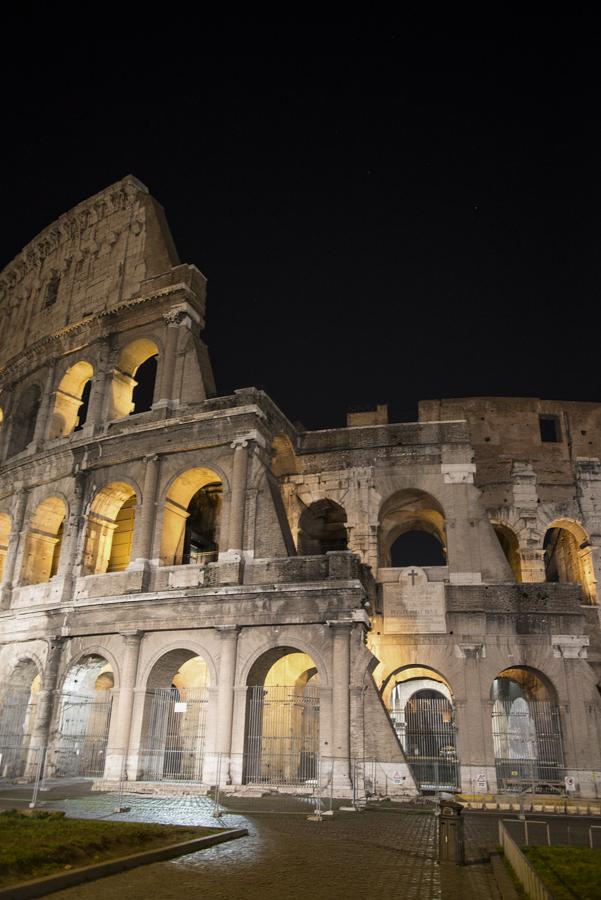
(17, 717)
(428, 734)
(83, 734)
(528, 745)
(282, 735)
(175, 735)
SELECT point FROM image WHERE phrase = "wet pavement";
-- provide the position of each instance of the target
(376, 853)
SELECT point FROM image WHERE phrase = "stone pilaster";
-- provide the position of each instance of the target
(117, 764)
(225, 702)
(341, 674)
(16, 531)
(142, 550)
(40, 735)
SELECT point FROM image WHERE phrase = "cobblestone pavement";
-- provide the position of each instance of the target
(376, 854)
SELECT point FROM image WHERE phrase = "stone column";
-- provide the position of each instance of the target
(98, 400)
(341, 676)
(40, 734)
(145, 527)
(225, 699)
(238, 498)
(43, 416)
(173, 320)
(117, 753)
(68, 557)
(16, 529)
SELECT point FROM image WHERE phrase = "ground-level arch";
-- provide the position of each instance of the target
(282, 719)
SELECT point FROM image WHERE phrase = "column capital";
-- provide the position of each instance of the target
(227, 631)
(151, 458)
(246, 440)
(133, 636)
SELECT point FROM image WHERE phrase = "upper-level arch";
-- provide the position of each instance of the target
(44, 540)
(567, 556)
(322, 528)
(412, 530)
(110, 529)
(71, 400)
(510, 546)
(134, 378)
(192, 517)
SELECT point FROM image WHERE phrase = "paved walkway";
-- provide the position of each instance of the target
(378, 854)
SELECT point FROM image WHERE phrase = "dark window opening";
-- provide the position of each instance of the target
(83, 409)
(417, 548)
(550, 432)
(52, 291)
(143, 393)
(202, 525)
(322, 529)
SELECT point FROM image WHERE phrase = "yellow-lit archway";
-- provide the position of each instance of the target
(568, 556)
(110, 529)
(131, 359)
(191, 518)
(71, 395)
(44, 540)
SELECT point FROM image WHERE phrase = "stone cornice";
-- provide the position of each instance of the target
(69, 226)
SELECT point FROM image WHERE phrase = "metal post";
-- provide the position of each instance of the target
(217, 813)
(38, 776)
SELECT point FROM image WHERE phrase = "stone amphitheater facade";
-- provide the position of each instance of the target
(195, 591)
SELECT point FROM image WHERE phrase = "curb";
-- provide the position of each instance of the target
(40, 887)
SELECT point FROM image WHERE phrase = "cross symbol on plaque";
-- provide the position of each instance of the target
(413, 575)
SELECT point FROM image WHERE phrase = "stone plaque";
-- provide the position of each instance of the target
(414, 605)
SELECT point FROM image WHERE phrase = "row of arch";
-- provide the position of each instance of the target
(282, 721)
(281, 729)
(190, 528)
(413, 533)
(131, 392)
(525, 724)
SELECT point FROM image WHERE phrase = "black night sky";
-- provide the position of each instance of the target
(380, 226)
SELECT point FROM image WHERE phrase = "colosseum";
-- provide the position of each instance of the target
(197, 592)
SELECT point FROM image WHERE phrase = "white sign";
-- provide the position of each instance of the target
(413, 605)
(180, 707)
(570, 783)
(480, 783)
(396, 777)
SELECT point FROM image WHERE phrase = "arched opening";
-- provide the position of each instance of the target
(134, 379)
(526, 731)
(17, 718)
(24, 420)
(322, 528)
(412, 531)
(5, 525)
(568, 557)
(191, 518)
(44, 542)
(282, 719)
(109, 535)
(175, 713)
(84, 718)
(510, 547)
(71, 400)
(422, 710)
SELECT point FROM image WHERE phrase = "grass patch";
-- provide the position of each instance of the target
(571, 873)
(35, 847)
